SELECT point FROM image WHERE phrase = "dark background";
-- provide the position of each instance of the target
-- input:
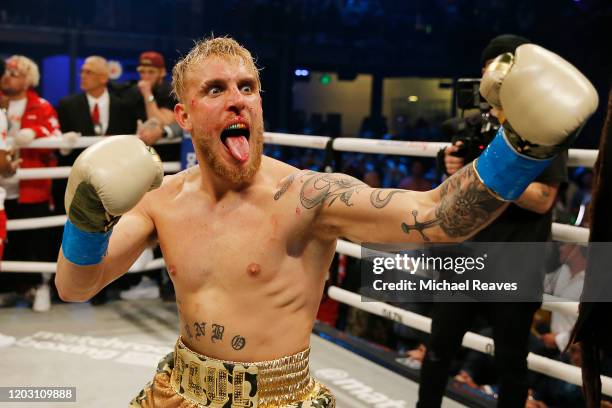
(428, 38)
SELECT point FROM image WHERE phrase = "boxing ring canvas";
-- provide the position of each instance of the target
(108, 353)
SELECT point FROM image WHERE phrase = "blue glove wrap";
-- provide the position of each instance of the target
(84, 248)
(505, 171)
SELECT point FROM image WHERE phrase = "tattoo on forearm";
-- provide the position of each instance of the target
(379, 200)
(465, 204)
(545, 191)
(321, 187)
(420, 226)
(285, 186)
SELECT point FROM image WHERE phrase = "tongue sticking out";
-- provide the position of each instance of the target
(238, 147)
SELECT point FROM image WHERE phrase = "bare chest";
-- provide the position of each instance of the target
(233, 246)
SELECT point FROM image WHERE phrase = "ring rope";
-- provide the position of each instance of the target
(577, 157)
(474, 341)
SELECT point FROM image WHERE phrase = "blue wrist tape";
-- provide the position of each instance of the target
(505, 171)
(84, 248)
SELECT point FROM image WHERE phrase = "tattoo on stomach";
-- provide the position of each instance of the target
(214, 333)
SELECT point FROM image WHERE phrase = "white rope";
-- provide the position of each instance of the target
(55, 142)
(287, 139)
(474, 341)
(421, 149)
(63, 172)
(569, 233)
(560, 305)
(35, 223)
(50, 267)
(577, 157)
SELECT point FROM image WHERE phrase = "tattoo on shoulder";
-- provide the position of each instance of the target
(465, 204)
(327, 187)
(285, 184)
(380, 200)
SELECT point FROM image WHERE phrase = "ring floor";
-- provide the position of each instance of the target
(109, 352)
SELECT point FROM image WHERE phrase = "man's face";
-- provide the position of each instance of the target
(13, 81)
(93, 76)
(222, 111)
(151, 74)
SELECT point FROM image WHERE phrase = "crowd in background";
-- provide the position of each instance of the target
(145, 109)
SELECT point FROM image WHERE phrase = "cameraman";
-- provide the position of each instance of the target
(528, 219)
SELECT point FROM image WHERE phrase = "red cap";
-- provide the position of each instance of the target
(151, 59)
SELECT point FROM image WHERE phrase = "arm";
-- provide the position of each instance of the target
(108, 224)
(165, 116)
(346, 207)
(538, 197)
(133, 233)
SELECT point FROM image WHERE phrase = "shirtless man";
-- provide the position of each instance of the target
(248, 239)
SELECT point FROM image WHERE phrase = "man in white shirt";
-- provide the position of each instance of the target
(566, 282)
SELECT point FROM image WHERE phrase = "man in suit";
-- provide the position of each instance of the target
(94, 112)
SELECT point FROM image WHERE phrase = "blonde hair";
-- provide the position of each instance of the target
(222, 47)
(25, 66)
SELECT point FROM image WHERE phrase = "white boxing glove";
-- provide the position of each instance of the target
(107, 180)
(544, 98)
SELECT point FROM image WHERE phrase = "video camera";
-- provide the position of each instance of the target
(474, 131)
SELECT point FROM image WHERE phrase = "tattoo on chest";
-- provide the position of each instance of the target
(285, 186)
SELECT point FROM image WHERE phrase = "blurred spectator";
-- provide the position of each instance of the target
(151, 104)
(416, 181)
(566, 282)
(29, 117)
(151, 101)
(94, 112)
(7, 167)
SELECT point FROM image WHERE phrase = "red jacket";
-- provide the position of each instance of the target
(39, 116)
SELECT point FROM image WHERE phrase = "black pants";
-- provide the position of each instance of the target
(510, 322)
(38, 245)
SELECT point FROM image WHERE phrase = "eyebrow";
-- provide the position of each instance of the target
(250, 80)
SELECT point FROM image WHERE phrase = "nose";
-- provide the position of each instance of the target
(235, 100)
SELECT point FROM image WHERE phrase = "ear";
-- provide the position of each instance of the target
(182, 117)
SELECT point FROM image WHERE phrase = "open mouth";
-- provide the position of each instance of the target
(236, 138)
